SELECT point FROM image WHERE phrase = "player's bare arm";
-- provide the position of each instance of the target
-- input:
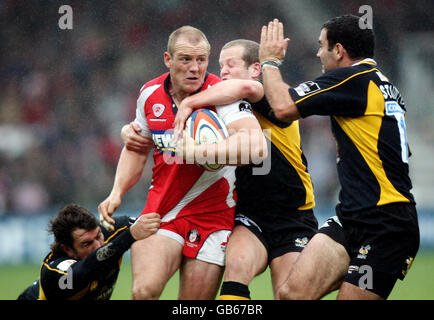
(133, 140)
(128, 172)
(272, 51)
(222, 93)
(246, 144)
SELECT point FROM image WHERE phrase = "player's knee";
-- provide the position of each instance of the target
(238, 265)
(293, 290)
(288, 292)
(144, 292)
(282, 293)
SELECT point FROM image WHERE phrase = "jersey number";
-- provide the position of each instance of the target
(395, 110)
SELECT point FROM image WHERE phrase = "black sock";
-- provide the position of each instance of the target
(232, 290)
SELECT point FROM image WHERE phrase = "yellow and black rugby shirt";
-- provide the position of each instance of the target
(283, 182)
(367, 120)
(93, 278)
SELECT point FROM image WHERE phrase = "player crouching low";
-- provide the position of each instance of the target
(85, 259)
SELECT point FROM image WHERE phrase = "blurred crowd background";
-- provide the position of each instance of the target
(65, 94)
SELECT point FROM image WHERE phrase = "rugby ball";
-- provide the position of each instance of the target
(205, 127)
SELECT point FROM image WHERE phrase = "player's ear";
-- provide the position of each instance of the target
(167, 59)
(68, 250)
(339, 51)
(255, 70)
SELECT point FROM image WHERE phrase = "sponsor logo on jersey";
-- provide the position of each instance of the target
(330, 221)
(105, 252)
(65, 265)
(164, 140)
(393, 107)
(307, 87)
(246, 221)
(352, 268)
(223, 244)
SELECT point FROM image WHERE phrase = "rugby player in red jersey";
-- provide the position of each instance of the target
(196, 206)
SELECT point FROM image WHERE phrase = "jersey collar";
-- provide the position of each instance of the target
(166, 88)
(367, 60)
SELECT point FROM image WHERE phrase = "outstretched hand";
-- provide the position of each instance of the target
(273, 42)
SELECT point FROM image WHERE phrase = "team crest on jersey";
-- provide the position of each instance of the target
(307, 87)
(408, 263)
(363, 251)
(245, 106)
(193, 237)
(301, 242)
(158, 109)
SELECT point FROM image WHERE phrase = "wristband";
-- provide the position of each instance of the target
(271, 63)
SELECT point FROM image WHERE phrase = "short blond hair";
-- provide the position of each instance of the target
(192, 34)
(251, 50)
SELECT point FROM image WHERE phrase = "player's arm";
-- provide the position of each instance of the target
(128, 172)
(112, 251)
(80, 273)
(246, 143)
(222, 93)
(272, 50)
(133, 140)
(277, 93)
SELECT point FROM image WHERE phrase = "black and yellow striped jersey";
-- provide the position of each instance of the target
(367, 120)
(93, 278)
(283, 183)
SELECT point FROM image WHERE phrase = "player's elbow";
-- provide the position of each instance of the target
(286, 112)
(251, 90)
(124, 133)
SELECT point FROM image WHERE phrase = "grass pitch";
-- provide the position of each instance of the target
(418, 284)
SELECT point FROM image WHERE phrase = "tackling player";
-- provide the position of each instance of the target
(85, 259)
(196, 206)
(375, 233)
(271, 228)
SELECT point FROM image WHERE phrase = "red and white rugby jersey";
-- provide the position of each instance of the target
(180, 189)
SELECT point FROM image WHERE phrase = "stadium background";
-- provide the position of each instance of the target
(65, 94)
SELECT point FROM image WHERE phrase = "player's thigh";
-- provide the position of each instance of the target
(246, 256)
(321, 264)
(349, 291)
(154, 260)
(280, 268)
(199, 279)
